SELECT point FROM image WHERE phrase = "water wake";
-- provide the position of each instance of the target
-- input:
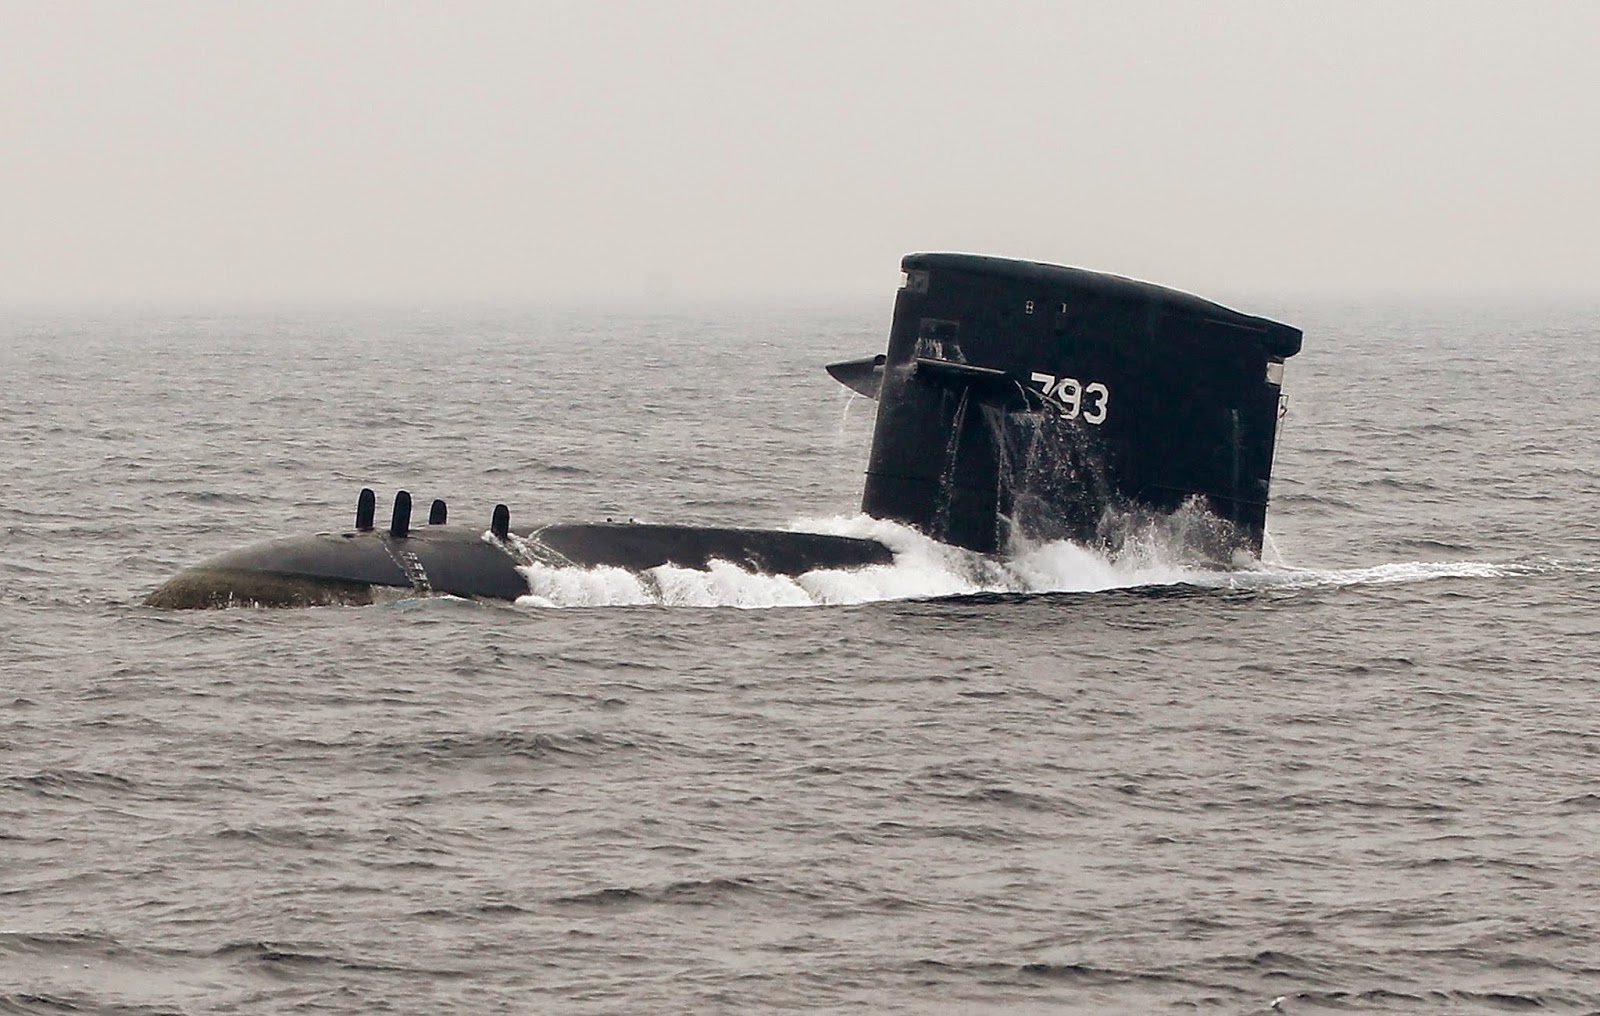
(926, 569)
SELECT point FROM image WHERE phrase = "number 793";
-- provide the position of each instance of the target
(1075, 398)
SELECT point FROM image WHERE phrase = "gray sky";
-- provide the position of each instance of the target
(216, 152)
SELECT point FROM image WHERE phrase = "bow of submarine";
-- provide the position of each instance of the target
(347, 568)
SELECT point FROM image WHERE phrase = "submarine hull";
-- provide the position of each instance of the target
(355, 567)
(1018, 402)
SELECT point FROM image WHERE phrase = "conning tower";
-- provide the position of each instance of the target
(1019, 399)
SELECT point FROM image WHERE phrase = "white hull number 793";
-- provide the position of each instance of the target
(1075, 399)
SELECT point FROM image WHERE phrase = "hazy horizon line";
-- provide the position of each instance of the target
(638, 304)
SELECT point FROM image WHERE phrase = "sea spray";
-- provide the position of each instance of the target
(926, 569)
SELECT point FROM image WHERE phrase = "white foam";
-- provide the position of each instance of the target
(582, 587)
(926, 569)
(922, 569)
(1286, 576)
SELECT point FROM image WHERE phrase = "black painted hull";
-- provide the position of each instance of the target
(357, 567)
(1017, 403)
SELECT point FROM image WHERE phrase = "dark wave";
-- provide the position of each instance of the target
(691, 892)
(502, 744)
(24, 1003)
(70, 783)
(275, 955)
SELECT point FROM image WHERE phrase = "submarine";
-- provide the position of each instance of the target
(1017, 402)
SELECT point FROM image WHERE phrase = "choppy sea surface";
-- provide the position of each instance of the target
(1362, 776)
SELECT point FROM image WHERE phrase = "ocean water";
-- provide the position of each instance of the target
(1362, 776)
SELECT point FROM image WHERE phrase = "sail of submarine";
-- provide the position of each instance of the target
(1017, 402)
